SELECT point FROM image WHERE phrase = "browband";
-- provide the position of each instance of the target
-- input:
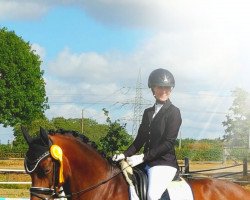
(36, 161)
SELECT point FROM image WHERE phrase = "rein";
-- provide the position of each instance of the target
(53, 193)
(92, 187)
(97, 185)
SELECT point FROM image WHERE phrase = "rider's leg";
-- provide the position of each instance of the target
(158, 179)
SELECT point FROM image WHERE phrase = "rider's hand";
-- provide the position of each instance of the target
(135, 160)
(118, 157)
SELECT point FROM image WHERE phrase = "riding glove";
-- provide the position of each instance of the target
(118, 157)
(135, 160)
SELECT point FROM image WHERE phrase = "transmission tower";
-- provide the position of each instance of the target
(137, 106)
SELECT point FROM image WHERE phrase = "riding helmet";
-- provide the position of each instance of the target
(161, 77)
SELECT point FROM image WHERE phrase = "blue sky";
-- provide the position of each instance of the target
(92, 52)
(77, 31)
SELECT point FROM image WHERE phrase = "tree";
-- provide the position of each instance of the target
(116, 139)
(237, 122)
(91, 128)
(22, 87)
(19, 143)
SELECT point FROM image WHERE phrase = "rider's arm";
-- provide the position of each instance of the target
(140, 138)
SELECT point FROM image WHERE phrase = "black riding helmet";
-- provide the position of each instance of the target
(161, 77)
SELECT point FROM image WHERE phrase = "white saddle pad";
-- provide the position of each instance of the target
(180, 190)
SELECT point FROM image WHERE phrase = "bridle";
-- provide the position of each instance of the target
(54, 192)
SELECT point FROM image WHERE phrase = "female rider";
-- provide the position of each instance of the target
(157, 133)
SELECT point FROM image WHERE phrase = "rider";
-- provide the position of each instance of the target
(157, 133)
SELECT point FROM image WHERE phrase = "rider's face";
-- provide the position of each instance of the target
(162, 93)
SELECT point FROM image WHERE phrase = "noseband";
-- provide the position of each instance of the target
(38, 191)
(54, 191)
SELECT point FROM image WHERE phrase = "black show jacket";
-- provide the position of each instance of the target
(158, 136)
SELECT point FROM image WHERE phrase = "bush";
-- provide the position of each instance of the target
(204, 150)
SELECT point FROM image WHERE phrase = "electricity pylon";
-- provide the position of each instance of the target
(137, 106)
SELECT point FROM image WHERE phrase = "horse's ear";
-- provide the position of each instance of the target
(26, 135)
(44, 136)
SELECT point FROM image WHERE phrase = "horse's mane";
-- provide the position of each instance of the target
(82, 138)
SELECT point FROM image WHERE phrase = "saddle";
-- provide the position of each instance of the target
(140, 181)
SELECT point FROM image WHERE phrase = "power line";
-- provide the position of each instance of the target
(129, 103)
(136, 103)
(80, 102)
(129, 88)
(113, 103)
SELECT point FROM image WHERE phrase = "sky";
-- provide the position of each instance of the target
(94, 53)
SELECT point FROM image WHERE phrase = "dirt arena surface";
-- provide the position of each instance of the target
(233, 167)
(23, 192)
(11, 164)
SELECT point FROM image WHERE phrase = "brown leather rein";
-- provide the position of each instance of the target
(54, 192)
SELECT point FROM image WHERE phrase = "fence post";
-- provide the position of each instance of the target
(186, 161)
(245, 167)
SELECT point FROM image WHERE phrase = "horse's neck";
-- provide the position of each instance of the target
(88, 169)
(94, 162)
(86, 163)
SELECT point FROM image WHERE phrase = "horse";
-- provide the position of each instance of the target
(57, 160)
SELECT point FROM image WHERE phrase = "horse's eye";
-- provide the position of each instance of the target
(43, 171)
(46, 171)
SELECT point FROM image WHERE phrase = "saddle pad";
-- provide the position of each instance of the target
(180, 190)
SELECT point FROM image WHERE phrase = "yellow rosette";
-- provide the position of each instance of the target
(57, 153)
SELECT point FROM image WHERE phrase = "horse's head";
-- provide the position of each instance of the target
(42, 162)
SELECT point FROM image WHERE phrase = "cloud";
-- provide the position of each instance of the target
(93, 68)
(75, 111)
(152, 14)
(90, 97)
(203, 43)
(169, 15)
(92, 74)
(27, 9)
(80, 66)
(197, 59)
(190, 57)
(39, 50)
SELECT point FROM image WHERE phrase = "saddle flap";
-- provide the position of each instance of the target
(140, 180)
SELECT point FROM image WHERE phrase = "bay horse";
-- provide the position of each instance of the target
(57, 160)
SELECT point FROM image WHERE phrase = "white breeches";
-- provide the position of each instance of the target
(158, 179)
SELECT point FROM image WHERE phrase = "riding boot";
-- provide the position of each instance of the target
(165, 196)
